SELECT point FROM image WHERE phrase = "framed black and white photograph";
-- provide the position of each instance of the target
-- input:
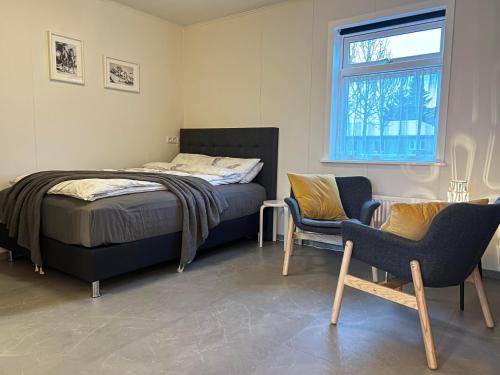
(121, 75)
(66, 59)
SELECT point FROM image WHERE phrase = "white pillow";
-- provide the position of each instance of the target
(197, 159)
(252, 174)
(192, 169)
(241, 166)
(206, 169)
(159, 165)
(17, 179)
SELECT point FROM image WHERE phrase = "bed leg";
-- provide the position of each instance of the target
(95, 289)
(11, 256)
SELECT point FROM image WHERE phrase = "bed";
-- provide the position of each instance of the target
(73, 241)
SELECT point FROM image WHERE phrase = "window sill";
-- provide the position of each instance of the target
(381, 162)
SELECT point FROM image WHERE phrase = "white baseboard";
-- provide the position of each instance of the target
(318, 245)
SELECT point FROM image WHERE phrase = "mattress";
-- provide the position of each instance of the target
(133, 217)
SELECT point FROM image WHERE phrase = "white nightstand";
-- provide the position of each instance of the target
(275, 205)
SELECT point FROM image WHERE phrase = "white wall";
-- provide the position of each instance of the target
(47, 124)
(260, 68)
(268, 68)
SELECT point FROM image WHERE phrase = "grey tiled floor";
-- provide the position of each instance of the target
(231, 312)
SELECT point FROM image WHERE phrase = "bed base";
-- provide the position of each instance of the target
(100, 263)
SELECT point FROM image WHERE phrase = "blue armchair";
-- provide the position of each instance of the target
(356, 196)
(447, 256)
(462, 285)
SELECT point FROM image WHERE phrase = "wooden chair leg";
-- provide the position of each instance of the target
(286, 221)
(289, 246)
(430, 350)
(462, 287)
(462, 297)
(346, 260)
(483, 299)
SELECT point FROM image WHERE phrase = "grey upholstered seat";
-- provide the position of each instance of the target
(449, 252)
(356, 197)
(447, 255)
(312, 225)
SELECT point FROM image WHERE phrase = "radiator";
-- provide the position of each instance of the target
(382, 213)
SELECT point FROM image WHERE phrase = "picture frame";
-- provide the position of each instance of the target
(66, 60)
(121, 75)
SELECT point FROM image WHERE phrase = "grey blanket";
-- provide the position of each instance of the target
(201, 206)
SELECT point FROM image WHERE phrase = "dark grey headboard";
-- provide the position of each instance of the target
(239, 143)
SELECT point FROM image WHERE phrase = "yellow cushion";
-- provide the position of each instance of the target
(318, 196)
(412, 220)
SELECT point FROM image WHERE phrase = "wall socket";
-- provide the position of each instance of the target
(172, 140)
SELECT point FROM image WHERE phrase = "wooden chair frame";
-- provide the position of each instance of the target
(388, 290)
(293, 234)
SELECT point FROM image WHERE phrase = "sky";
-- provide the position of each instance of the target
(415, 43)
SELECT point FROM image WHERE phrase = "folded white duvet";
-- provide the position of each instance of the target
(92, 189)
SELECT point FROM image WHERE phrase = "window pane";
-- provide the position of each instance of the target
(390, 116)
(396, 46)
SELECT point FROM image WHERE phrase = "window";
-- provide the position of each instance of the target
(386, 90)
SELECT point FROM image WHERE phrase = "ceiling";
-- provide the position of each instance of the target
(188, 12)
